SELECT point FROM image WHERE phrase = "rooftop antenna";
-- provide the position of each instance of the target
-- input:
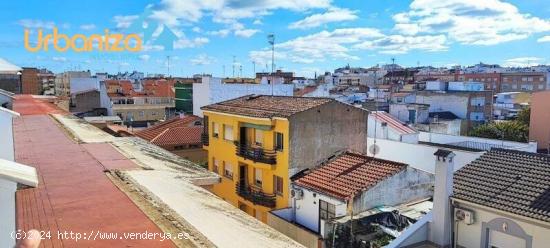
(233, 66)
(254, 67)
(271, 41)
(240, 70)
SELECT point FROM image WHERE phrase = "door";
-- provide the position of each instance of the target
(242, 175)
(412, 116)
(502, 240)
(242, 136)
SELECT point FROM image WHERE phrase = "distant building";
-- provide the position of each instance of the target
(10, 77)
(539, 127)
(525, 81)
(385, 126)
(180, 135)
(508, 104)
(63, 81)
(30, 83)
(256, 143)
(212, 90)
(492, 81)
(287, 76)
(47, 78)
(400, 76)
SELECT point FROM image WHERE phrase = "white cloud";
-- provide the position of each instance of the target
(202, 59)
(59, 59)
(36, 24)
(246, 33)
(257, 22)
(221, 32)
(190, 43)
(144, 57)
(344, 44)
(124, 21)
(196, 29)
(523, 61)
(332, 15)
(475, 22)
(87, 27)
(544, 39)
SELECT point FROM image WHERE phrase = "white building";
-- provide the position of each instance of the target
(211, 90)
(11, 174)
(382, 125)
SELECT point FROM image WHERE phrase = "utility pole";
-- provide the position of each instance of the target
(271, 41)
(168, 65)
(254, 67)
(233, 66)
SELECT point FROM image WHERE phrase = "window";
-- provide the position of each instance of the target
(478, 101)
(326, 210)
(258, 177)
(228, 132)
(259, 137)
(541, 86)
(514, 86)
(141, 113)
(228, 170)
(215, 130)
(526, 87)
(278, 185)
(215, 166)
(279, 141)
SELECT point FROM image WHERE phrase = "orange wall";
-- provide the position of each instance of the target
(539, 130)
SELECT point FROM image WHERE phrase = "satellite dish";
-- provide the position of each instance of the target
(374, 149)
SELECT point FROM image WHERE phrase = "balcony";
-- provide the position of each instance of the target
(204, 139)
(256, 154)
(256, 196)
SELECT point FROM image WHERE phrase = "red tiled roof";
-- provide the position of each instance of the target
(176, 131)
(348, 174)
(263, 106)
(393, 122)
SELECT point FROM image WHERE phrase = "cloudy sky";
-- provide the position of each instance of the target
(311, 35)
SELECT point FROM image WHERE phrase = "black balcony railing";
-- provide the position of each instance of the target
(256, 196)
(256, 154)
(204, 139)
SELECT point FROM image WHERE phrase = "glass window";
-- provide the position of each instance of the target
(228, 132)
(215, 130)
(259, 137)
(278, 185)
(228, 170)
(279, 141)
(326, 210)
(541, 86)
(258, 177)
(215, 166)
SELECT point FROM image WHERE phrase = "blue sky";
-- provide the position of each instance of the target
(311, 35)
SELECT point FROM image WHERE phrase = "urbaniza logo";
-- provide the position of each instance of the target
(108, 42)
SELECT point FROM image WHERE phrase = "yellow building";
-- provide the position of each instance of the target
(256, 143)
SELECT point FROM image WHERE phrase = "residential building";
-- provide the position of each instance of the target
(349, 185)
(10, 77)
(508, 104)
(257, 143)
(63, 81)
(30, 83)
(473, 106)
(491, 202)
(492, 81)
(212, 90)
(155, 102)
(180, 135)
(525, 81)
(288, 77)
(184, 94)
(47, 78)
(444, 122)
(539, 127)
(85, 101)
(385, 126)
(400, 76)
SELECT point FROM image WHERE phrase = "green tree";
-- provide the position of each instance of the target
(507, 130)
(524, 116)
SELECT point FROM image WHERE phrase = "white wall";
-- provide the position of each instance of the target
(211, 91)
(386, 132)
(83, 84)
(418, 156)
(446, 139)
(470, 235)
(6, 134)
(7, 212)
(307, 209)
(458, 104)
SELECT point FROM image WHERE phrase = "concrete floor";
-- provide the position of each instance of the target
(74, 194)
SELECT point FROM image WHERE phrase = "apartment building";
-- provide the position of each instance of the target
(525, 81)
(257, 143)
(30, 83)
(10, 77)
(63, 81)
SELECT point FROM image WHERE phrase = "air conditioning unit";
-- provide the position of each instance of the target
(466, 216)
(298, 194)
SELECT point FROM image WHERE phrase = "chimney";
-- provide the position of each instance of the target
(440, 231)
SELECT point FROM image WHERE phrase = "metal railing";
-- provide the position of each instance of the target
(204, 139)
(256, 196)
(256, 154)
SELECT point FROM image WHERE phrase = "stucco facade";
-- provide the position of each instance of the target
(539, 129)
